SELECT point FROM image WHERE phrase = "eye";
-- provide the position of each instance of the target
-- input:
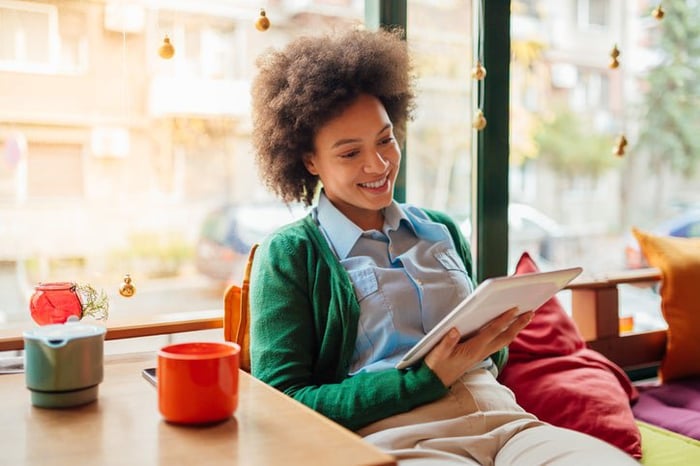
(386, 140)
(349, 154)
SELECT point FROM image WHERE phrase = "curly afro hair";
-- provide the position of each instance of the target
(312, 80)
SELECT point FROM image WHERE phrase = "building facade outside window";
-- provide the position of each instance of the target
(115, 160)
(141, 165)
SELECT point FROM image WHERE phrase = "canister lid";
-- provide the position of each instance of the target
(67, 331)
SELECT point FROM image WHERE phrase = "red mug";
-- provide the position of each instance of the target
(198, 382)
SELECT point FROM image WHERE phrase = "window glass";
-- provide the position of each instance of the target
(115, 161)
(26, 31)
(582, 186)
(439, 138)
(694, 229)
(592, 13)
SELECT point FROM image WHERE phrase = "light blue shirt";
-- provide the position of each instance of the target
(407, 277)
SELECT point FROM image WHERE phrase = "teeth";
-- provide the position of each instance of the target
(376, 184)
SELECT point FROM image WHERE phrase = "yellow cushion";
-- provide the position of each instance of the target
(679, 262)
(661, 447)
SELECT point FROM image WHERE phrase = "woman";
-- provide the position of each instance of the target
(338, 297)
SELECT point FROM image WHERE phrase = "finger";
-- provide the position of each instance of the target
(500, 323)
(509, 333)
(526, 317)
(522, 321)
(500, 331)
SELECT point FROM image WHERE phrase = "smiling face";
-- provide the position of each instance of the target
(357, 158)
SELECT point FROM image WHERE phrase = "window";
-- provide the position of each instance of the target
(440, 137)
(207, 48)
(592, 13)
(591, 92)
(525, 7)
(27, 33)
(576, 173)
(41, 38)
(114, 160)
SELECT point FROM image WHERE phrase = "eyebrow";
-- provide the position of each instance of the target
(340, 142)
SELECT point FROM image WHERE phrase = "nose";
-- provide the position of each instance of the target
(376, 163)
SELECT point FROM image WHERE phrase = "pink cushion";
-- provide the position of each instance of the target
(554, 376)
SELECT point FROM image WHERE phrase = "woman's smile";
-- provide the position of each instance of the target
(379, 185)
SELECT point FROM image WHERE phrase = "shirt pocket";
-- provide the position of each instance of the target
(364, 282)
(456, 271)
(450, 260)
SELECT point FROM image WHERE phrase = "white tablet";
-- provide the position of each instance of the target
(491, 298)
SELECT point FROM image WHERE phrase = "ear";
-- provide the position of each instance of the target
(308, 159)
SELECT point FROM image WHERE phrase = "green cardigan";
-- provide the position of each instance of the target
(304, 319)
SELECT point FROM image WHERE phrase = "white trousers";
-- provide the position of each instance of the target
(479, 423)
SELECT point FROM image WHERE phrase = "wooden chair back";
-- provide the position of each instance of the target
(237, 313)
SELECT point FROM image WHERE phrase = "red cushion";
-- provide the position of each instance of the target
(551, 332)
(555, 377)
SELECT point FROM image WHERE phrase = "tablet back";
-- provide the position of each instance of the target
(491, 298)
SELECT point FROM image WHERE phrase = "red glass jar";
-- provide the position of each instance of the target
(54, 303)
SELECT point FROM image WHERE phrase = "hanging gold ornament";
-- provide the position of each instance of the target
(479, 121)
(263, 22)
(658, 12)
(614, 53)
(620, 145)
(126, 289)
(166, 50)
(478, 72)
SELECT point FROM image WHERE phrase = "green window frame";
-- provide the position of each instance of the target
(490, 174)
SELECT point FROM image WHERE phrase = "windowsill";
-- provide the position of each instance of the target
(11, 338)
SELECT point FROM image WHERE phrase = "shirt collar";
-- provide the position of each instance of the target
(339, 230)
(343, 233)
(394, 217)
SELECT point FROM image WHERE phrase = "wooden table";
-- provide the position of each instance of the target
(124, 427)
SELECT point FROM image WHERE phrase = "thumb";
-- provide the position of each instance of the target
(448, 342)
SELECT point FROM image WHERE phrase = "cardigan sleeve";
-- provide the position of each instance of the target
(302, 325)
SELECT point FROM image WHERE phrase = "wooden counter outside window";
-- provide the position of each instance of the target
(150, 325)
(595, 309)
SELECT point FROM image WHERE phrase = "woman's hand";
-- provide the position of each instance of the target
(451, 358)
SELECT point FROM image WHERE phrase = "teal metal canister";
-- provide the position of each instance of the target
(64, 363)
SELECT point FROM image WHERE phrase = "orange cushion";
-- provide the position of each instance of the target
(679, 262)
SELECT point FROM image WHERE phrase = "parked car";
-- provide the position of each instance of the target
(684, 225)
(528, 230)
(228, 232)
